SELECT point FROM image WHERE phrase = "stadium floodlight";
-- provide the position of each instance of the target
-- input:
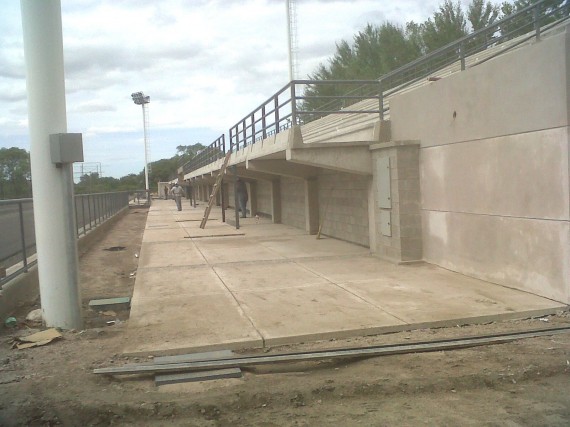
(139, 98)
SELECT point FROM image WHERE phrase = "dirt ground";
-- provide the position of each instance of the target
(524, 383)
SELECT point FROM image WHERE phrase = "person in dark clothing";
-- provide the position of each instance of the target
(241, 190)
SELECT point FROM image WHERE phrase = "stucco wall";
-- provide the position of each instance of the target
(494, 168)
(293, 202)
(263, 189)
(343, 206)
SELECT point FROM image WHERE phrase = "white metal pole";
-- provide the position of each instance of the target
(145, 151)
(52, 187)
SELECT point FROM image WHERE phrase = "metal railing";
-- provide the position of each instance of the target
(17, 232)
(216, 150)
(528, 22)
(286, 108)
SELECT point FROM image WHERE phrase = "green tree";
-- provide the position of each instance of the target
(447, 25)
(15, 173)
(550, 11)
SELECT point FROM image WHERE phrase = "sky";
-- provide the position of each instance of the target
(204, 64)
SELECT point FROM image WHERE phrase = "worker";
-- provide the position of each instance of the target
(177, 193)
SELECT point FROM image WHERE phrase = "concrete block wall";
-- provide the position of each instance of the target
(263, 189)
(494, 168)
(401, 239)
(343, 206)
(293, 202)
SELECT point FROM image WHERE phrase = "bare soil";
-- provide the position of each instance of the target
(524, 383)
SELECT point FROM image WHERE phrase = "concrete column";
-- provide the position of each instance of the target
(252, 197)
(396, 211)
(54, 217)
(276, 201)
(311, 205)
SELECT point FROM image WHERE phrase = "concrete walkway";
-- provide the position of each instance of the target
(268, 284)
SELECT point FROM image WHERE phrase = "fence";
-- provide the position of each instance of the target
(18, 241)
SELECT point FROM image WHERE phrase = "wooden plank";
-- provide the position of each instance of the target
(215, 189)
(186, 377)
(384, 350)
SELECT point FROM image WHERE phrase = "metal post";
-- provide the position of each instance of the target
(293, 105)
(462, 57)
(537, 23)
(276, 109)
(52, 187)
(381, 99)
(23, 236)
(145, 149)
(263, 123)
(234, 170)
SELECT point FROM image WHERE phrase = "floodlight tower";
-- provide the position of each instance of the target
(139, 98)
(292, 37)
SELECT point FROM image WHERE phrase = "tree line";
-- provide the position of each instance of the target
(16, 177)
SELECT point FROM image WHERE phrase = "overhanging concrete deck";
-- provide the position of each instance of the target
(269, 284)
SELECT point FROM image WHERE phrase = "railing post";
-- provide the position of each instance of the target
(276, 109)
(293, 105)
(231, 139)
(224, 143)
(263, 122)
(83, 214)
(536, 23)
(89, 211)
(462, 56)
(76, 219)
(23, 236)
(253, 128)
(380, 99)
(244, 130)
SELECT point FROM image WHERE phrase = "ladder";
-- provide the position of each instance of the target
(215, 190)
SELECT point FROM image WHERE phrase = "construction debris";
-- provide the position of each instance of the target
(382, 350)
(37, 339)
(121, 303)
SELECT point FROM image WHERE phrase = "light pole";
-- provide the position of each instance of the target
(140, 99)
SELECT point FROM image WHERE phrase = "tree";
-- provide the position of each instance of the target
(376, 50)
(185, 153)
(550, 12)
(447, 25)
(481, 14)
(15, 173)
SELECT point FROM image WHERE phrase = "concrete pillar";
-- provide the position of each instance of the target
(311, 205)
(396, 210)
(54, 216)
(276, 201)
(252, 197)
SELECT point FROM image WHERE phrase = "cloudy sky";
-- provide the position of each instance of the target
(205, 65)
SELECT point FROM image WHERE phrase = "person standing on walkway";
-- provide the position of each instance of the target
(241, 190)
(177, 192)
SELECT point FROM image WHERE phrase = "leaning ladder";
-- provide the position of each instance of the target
(215, 190)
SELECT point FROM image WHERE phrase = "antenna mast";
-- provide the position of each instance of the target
(292, 37)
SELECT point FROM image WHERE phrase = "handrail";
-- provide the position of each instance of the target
(285, 108)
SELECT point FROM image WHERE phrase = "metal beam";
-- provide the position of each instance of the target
(382, 350)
